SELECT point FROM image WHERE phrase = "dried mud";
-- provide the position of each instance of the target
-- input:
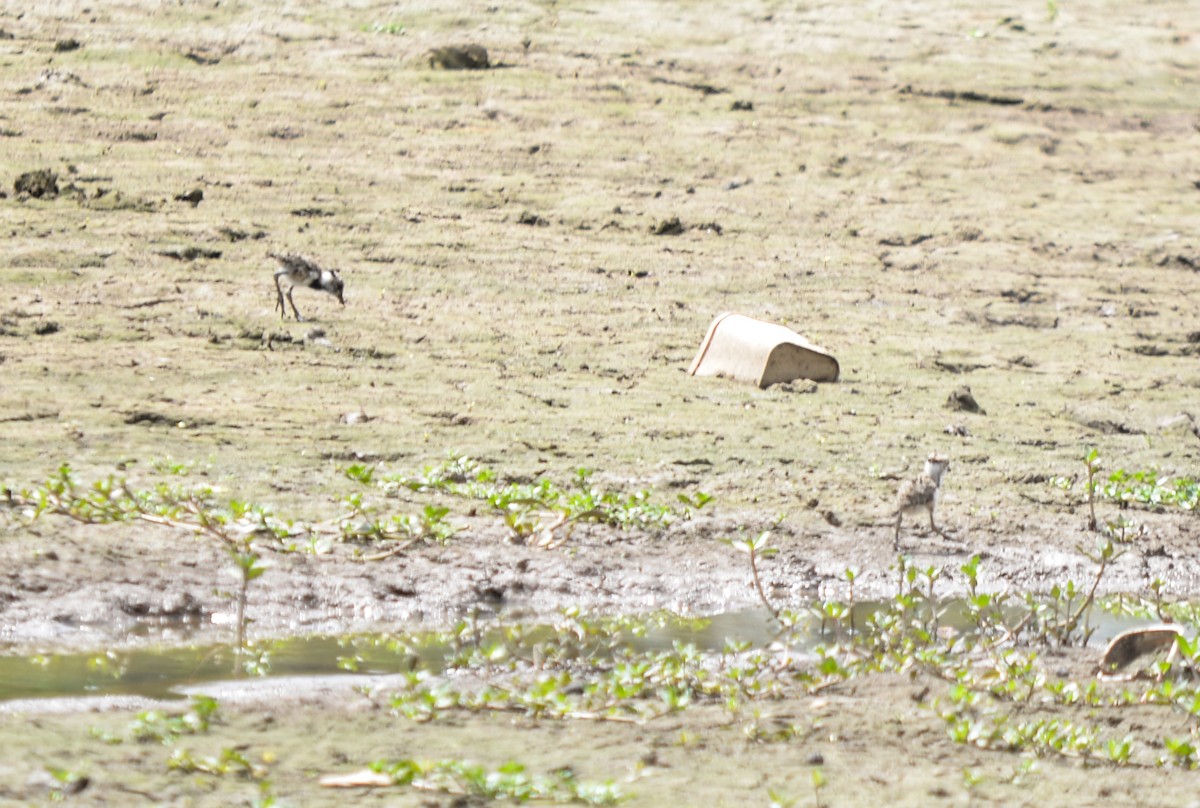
(941, 195)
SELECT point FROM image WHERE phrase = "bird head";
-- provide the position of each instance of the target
(334, 285)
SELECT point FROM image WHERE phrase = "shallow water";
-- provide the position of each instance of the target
(163, 673)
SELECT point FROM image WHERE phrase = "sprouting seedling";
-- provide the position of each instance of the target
(1104, 555)
(971, 780)
(248, 568)
(779, 799)
(361, 472)
(819, 782)
(1092, 462)
(1122, 530)
(851, 575)
(69, 782)
(1181, 752)
(754, 549)
(696, 502)
(1120, 750)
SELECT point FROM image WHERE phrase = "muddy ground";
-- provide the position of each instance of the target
(1003, 198)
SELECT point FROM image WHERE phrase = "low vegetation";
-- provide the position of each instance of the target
(981, 657)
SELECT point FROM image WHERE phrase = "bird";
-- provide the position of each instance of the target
(922, 492)
(299, 270)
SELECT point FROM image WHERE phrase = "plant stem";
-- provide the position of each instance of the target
(762, 595)
(1087, 602)
(241, 619)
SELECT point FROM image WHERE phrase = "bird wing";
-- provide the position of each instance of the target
(917, 492)
(297, 263)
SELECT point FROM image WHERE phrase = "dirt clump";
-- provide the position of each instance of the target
(39, 184)
(668, 227)
(963, 400)
(459, 57)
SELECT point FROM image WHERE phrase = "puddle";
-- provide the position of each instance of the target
(163, 673)
(154, 673)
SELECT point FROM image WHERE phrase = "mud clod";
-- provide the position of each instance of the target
(235, 235)
(192, 197)
(532, 219)
(40, 184)
(1191, 262)
(459, 57)
(974, 96)
(190, 253)
(962, 400)
(668, 227)
(147, 417)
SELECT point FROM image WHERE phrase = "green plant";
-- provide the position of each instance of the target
(818, 783)
(1181, 752)
(510, 781)
(1123, 531)
(363, 523)
(393, 28)
(541, 512)
(971, 781)
(230, 760)
(1091, 461)
(1120, 750)
(69, 782)
(248, 569)
(157, 726)
(1133, 488)
(1103, 557)
(755, 549)
(360, 473)
(1145, 488)
(112, 500)
(779, 799)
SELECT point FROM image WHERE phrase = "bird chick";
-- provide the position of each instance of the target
(298, 270)
(922, 493)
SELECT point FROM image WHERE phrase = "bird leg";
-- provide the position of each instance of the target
(279, 299)
(295, 311)
(933, 525)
